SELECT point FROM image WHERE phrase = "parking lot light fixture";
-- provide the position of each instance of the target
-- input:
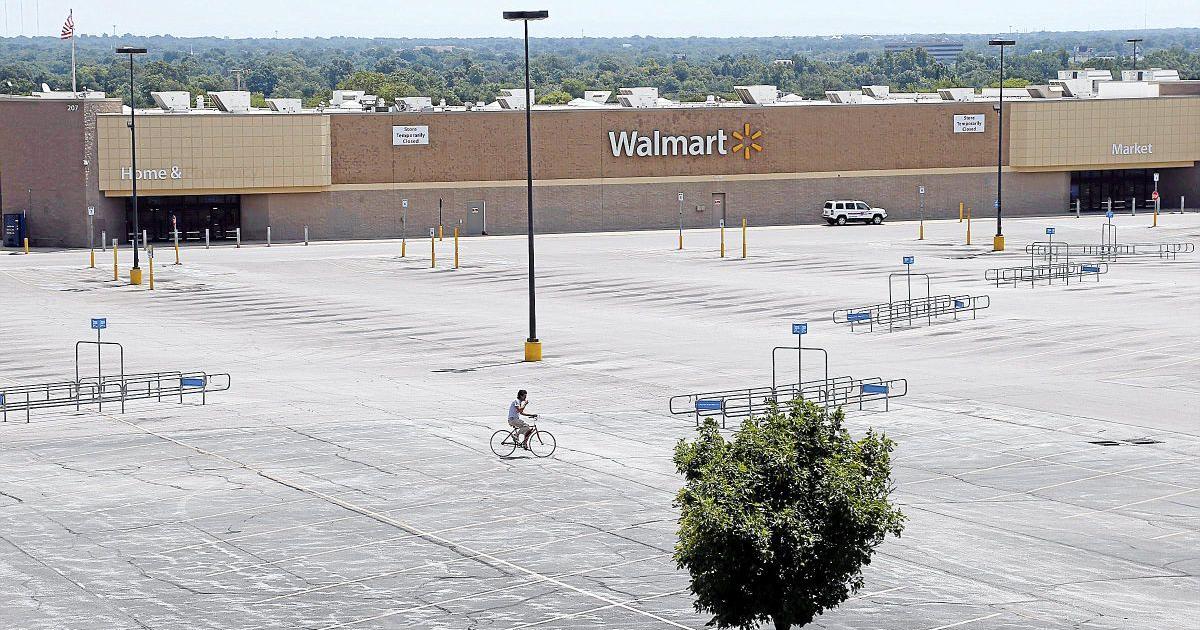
(135, 272)
(998, 241)
(533, 346)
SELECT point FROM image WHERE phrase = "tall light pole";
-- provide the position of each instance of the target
(533, 347)
(998, 241)
(135, 272)
(1135, 41)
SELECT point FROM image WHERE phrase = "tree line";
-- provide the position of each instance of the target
(473, 70)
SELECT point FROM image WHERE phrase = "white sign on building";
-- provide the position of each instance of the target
(969, 123)
(406, 135)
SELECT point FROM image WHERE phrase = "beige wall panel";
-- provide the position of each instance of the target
(212, 152)
(1079, 135)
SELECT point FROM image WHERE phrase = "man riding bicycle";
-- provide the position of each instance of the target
(516, 409)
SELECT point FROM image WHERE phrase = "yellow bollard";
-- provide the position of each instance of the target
(432, 250)
(116, 271)
(456, 247)
(743, 237)
(960, 211)
(26, 244)
(440, 233)
(722, 238)
(151, 260)
(92, 258)
(177, 253)
(680, 239)
(1155, 215)
(921, 231)
(403, 247)
(968, 226)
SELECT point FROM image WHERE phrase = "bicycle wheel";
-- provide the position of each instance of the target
(501, 445)
(542, 443)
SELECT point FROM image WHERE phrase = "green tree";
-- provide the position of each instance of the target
(777, 523)
(555, 98)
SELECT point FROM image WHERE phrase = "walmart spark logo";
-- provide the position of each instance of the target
(746, 141)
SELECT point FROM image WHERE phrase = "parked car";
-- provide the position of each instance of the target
(839, 212)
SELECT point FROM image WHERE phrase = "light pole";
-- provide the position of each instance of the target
(135, 272)
(533, 347)
(1135, 41)
(998, 241)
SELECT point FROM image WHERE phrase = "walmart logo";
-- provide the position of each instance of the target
(658, 144)
(747, 141)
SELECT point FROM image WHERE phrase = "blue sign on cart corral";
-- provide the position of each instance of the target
(1050, 231)
(99, 323)
(858, 317)
(868, 388)
(709, 404)
(1108, 214)
(908, 260)
(799, 329)
(1091, 268)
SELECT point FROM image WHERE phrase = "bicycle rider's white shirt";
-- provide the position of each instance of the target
(514, 410)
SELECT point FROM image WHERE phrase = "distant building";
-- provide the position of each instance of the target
(944, 52)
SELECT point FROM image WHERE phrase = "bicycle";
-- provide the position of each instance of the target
(541, 442)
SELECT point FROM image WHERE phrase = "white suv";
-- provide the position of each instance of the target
(839, 212)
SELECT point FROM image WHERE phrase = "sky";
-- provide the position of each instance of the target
(572, 18)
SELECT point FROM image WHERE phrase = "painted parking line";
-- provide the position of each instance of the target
(1114, 473)
(596, 609)
(963, 623)
(540, 579)
(1121, 507)
(368, 578)
(404, 537)
(1122, 355)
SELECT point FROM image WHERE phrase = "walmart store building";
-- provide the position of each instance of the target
(345, 172)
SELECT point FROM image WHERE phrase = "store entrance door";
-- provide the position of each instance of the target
(221, 215)
(1093, 189)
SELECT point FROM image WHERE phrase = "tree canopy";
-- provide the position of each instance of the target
(461, 70)
(777, 523)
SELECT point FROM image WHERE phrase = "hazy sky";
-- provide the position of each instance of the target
(569, 18)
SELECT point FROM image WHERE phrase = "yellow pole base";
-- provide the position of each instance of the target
(92, 259)
(921, 232)
(27, 245)
(998, 243)
(533, 351)
(135, 276)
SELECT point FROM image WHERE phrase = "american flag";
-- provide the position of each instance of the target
(69, 26)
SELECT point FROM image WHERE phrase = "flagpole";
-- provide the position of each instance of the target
(73, 90)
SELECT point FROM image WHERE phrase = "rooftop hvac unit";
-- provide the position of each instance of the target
(638, 97)
(597, 96)
(174, 101)
(958, 95)
(877, 92)
(757, 94)
(414, 103)
(844, 97)
(285, 105)
(1151, 74)
(345, 96)
(1090, 74)
(515, 99)
(232, 101)
(1045, 91)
